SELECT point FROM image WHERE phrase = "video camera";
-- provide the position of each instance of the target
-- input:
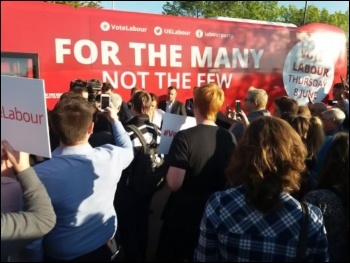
(93, 86)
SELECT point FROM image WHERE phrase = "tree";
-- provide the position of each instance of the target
(94, 4)
(239, 9)
(259, 10)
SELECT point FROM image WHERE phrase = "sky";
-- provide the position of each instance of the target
(156, 7)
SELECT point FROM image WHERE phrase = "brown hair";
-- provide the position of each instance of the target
(335, 170)
(267, 161)
(79, 89)
(71, 117)
(134, 90)
(141, 102)
(172, 88)
(286, 104)
(340, 85)
(315, 137)
(154, 97)
(299, 123)
(106, 87)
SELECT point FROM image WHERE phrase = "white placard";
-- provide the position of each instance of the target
(24, 122)
(172, 123)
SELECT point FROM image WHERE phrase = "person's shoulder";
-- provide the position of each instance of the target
(227, 196)
(178, 102)
(227, 131)
(315, 213)
(259, 113)
(132, 121)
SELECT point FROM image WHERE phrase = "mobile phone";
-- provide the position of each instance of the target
(105, 100)
(238, 106)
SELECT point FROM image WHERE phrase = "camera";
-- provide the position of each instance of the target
(93, 88)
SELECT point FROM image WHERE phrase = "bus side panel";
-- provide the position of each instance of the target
(155, 51)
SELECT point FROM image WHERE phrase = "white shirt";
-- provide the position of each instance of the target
(157, 117)
(168, 106)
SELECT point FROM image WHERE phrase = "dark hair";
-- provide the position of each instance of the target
(335, 170)
(341, 86)
(286, 104)
(77, 83)
(299, 123)
(79, 89)
(106, 87)
(172, 88)
(96, 82)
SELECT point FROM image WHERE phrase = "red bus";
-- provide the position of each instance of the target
(59, 43)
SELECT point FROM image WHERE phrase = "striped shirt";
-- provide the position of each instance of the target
(143, 123)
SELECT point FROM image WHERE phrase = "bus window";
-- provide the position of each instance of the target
(20, 65)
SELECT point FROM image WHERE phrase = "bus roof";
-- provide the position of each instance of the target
(223, 18)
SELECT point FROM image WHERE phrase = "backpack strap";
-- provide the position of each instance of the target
(138, 135)
(303, 235)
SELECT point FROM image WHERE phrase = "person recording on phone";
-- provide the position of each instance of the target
(81, 182)
(103, 131)
(255, 107)
(124, 113)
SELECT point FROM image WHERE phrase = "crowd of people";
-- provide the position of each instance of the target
(238, 180)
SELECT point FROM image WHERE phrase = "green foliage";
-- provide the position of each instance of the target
(94, 4)
(258, 10)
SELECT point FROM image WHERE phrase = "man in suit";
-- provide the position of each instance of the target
(172, 105)
(189, 105)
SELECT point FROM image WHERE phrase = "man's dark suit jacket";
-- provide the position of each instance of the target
(189, 105)
(177, 108)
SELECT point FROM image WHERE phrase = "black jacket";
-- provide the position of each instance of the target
(177, 108)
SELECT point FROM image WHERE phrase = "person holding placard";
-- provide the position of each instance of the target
(20, 227)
